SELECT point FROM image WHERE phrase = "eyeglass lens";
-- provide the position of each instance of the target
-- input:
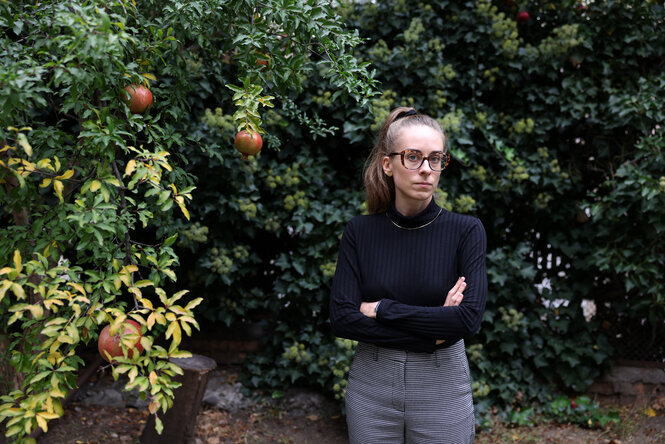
(414, 160)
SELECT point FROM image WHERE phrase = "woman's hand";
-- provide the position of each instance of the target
(455, 295)
(454, 298)
(369, 309)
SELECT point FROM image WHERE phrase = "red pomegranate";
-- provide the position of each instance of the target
(248, 143)
(112, 344)
(140, 98)
(523, 17)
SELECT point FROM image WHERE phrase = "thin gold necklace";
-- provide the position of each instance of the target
(415, 228)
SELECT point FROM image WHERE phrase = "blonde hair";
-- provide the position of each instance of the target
(379, 187)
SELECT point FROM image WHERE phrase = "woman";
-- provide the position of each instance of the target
(409, 380)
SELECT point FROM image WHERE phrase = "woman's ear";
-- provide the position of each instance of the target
(387, 166)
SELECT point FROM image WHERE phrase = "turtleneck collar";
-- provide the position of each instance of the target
(427, 215)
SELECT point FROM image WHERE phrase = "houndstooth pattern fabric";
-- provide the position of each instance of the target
(396, 396)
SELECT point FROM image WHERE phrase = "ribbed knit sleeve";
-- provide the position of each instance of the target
(462, 321)
(409, 264)
(345, 317)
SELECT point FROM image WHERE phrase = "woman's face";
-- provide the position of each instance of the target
(414, 188)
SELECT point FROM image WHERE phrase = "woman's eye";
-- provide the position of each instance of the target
(412, 157)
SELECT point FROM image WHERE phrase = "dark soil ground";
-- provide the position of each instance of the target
(262, 424)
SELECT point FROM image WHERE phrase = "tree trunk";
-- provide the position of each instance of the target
(180, 420)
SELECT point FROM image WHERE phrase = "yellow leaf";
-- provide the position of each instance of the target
(131, 268)
(171, 328)
(161, 320)
(146, 342)
(126, 279)
(143, 283)
(133, 373)
(23, 141)
(46, 182)
(48, 248)
(184, 210)
(151, 320)
(146, 303)
(17, 261)
(152, 377)
(6, 270)
(53, 351)
(191, 320)
(58, 187)
(650, 412)
(169, 273)
(193, 303)
(45, 163)
(67, 174)
(181, 354)
(65, 338)
(37, 311)
(177, 333)
(135, 291)
(95, 185)
(15, 317)
(129, 169)
(186, 327)
(41, 422)
(177, 296)
(57, 163)
(18, 291)
(48, 415)
(77, 286)
(150, 76)
(57, 393)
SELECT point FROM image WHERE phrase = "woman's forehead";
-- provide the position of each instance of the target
(420, 137)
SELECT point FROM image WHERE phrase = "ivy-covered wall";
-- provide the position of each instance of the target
(555, 129)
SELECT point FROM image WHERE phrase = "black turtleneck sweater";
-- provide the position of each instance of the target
(410, 272)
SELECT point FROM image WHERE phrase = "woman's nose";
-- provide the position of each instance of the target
(425, 167)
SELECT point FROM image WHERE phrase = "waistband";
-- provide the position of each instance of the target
(377, 352)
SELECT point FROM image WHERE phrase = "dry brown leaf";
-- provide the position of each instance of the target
(658, 403)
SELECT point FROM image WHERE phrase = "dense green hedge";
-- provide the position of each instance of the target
(553, 127)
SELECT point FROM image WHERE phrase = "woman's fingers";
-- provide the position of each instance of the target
(458, 284)
(456, 294)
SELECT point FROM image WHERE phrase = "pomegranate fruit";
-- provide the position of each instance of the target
(140, 98)
(523, 17)
(248, 143)
(112, 344)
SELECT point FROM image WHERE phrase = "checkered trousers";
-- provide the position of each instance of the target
(395, 396)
